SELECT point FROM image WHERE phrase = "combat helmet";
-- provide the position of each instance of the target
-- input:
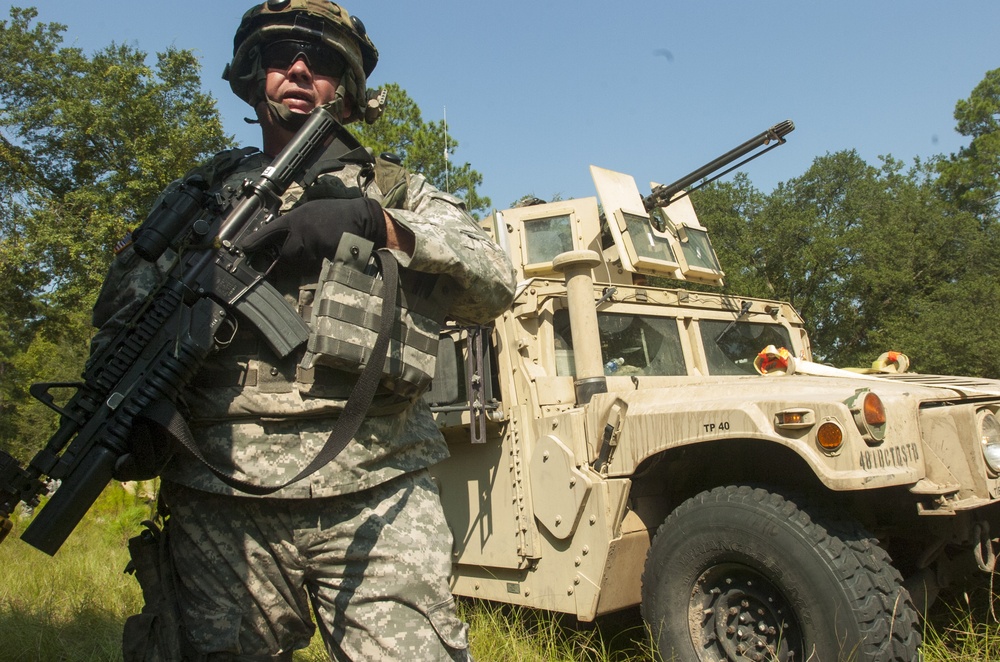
(313, 20)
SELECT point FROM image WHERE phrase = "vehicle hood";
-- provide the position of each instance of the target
(963, 387)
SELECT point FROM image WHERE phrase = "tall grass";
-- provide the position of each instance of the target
(71, 608)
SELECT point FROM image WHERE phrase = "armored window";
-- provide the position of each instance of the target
(546, 238)
(646, 248)
(698, 251)
(730, 349)
(630, 345)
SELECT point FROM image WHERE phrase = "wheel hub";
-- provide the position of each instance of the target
(737, 615)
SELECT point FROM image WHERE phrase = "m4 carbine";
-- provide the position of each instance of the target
(155, 355)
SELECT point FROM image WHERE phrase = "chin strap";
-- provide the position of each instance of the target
(284, 117)
(292, 121)
(372, 109)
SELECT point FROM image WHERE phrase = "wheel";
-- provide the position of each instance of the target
(740, 574)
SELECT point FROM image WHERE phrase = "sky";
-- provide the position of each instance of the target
(536, 91)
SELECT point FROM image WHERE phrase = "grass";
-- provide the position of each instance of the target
(71, 607)
(964, 627)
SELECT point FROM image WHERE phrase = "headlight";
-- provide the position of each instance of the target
(869, 415)
(989, 435)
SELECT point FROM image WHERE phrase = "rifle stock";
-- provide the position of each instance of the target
(158, 352)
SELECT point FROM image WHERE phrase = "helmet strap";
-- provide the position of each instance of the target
(284, 117)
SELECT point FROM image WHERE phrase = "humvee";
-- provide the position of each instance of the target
(617, 443)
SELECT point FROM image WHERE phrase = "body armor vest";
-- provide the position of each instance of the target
(246, 379)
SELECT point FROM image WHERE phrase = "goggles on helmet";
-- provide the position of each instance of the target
(322, 59)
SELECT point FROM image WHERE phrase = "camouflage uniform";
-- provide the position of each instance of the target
(365, 536)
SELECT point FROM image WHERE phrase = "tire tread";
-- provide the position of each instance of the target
(882, 607)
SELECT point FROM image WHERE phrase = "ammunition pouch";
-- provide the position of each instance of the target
(346, 320)
(154, 635)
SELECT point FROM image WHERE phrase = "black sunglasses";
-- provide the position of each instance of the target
(322, 60)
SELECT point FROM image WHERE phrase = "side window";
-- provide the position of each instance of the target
(630, 345)
(731, 348)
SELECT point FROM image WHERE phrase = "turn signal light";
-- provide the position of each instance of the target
(829, 436)
(795, 419)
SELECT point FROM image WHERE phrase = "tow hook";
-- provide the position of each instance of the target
(983, 551)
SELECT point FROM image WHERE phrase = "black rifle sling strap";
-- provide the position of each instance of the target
(165, 414)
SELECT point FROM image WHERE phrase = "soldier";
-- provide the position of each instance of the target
(363, 539)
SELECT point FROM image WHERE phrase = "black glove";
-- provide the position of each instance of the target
(312, 231)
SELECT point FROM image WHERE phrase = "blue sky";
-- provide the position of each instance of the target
(535, 92)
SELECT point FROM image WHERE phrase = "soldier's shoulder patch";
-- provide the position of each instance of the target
(123, 243)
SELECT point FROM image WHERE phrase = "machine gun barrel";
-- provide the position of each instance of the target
(662, 195)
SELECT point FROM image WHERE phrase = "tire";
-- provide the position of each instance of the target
(743, 574)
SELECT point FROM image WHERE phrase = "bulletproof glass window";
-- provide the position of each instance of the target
(630, 345)
(649, 246)
(698, 250)
(547, 237)
(731, 348)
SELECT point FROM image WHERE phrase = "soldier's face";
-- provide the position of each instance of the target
(298, 87)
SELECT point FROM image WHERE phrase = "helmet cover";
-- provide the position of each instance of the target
(320, 21)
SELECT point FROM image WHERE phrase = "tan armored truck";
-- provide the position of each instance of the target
(615, 443)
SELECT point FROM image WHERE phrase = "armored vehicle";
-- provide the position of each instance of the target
(618, 443)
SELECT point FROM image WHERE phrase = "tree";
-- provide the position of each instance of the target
(971, 178)
(86, 145)
(424, 147)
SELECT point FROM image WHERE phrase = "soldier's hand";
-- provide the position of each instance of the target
(312, 231)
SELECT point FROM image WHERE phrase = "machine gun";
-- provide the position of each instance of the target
(155, 355)
(662, 195)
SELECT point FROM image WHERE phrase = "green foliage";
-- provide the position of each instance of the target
(26, 423)
(972, 177)
(423, 147)
(86, 145)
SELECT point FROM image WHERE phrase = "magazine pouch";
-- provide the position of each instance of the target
(346, 317)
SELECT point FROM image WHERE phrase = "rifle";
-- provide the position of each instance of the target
(662, 195)
(157, 353)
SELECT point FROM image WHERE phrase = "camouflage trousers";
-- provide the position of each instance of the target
(374, 565)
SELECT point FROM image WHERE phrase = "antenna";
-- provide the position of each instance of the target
(447, 184)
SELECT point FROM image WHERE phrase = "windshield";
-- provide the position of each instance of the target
(630, 345)
(731, 348)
